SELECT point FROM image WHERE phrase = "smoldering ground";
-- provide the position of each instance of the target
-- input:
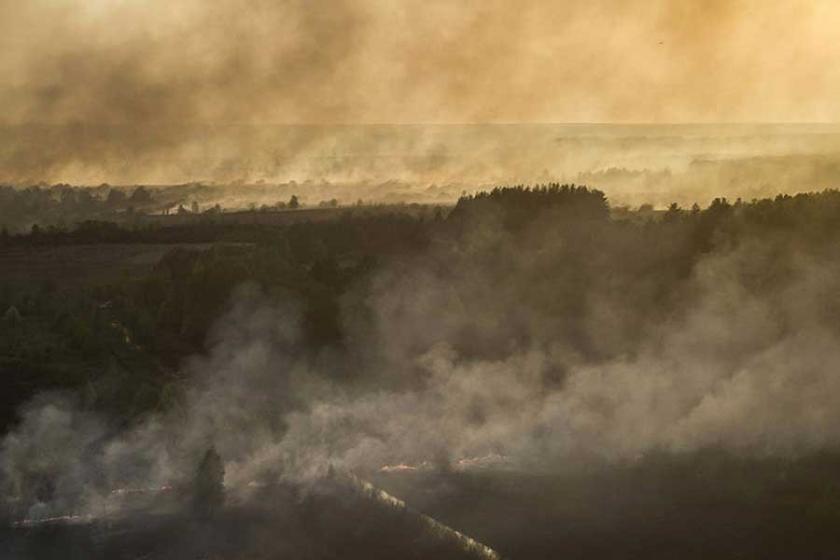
(553, 345)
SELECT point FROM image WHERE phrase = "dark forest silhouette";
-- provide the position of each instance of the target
(541, 256)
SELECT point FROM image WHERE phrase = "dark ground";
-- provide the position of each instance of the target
(323, 523)
(709, 507)
(706, 508)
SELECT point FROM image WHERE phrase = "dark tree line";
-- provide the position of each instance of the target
(58, 206)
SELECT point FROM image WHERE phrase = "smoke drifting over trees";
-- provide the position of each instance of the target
(223, 280)
(533, 327)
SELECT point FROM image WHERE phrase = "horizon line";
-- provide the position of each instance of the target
(430, 123)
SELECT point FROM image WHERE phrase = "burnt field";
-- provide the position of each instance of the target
(330, 519)
(703, 506)
(708, 505)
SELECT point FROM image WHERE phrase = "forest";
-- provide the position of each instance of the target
(120, 340)
(633, 320)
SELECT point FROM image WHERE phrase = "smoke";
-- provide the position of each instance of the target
(433, 164)
(489, 344)
(46, 460)
(294, 61)
(169, 92)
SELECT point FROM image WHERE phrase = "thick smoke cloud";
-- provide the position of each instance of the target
(161, 91)
(372, 61)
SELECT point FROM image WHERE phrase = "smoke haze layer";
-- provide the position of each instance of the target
(166, 92)
(131, 62)
(430, 163)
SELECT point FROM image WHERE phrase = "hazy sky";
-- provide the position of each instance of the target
(387, 61)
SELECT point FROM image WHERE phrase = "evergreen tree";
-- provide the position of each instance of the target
(208, 485)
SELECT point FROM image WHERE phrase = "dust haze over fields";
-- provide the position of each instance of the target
(131, 92)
